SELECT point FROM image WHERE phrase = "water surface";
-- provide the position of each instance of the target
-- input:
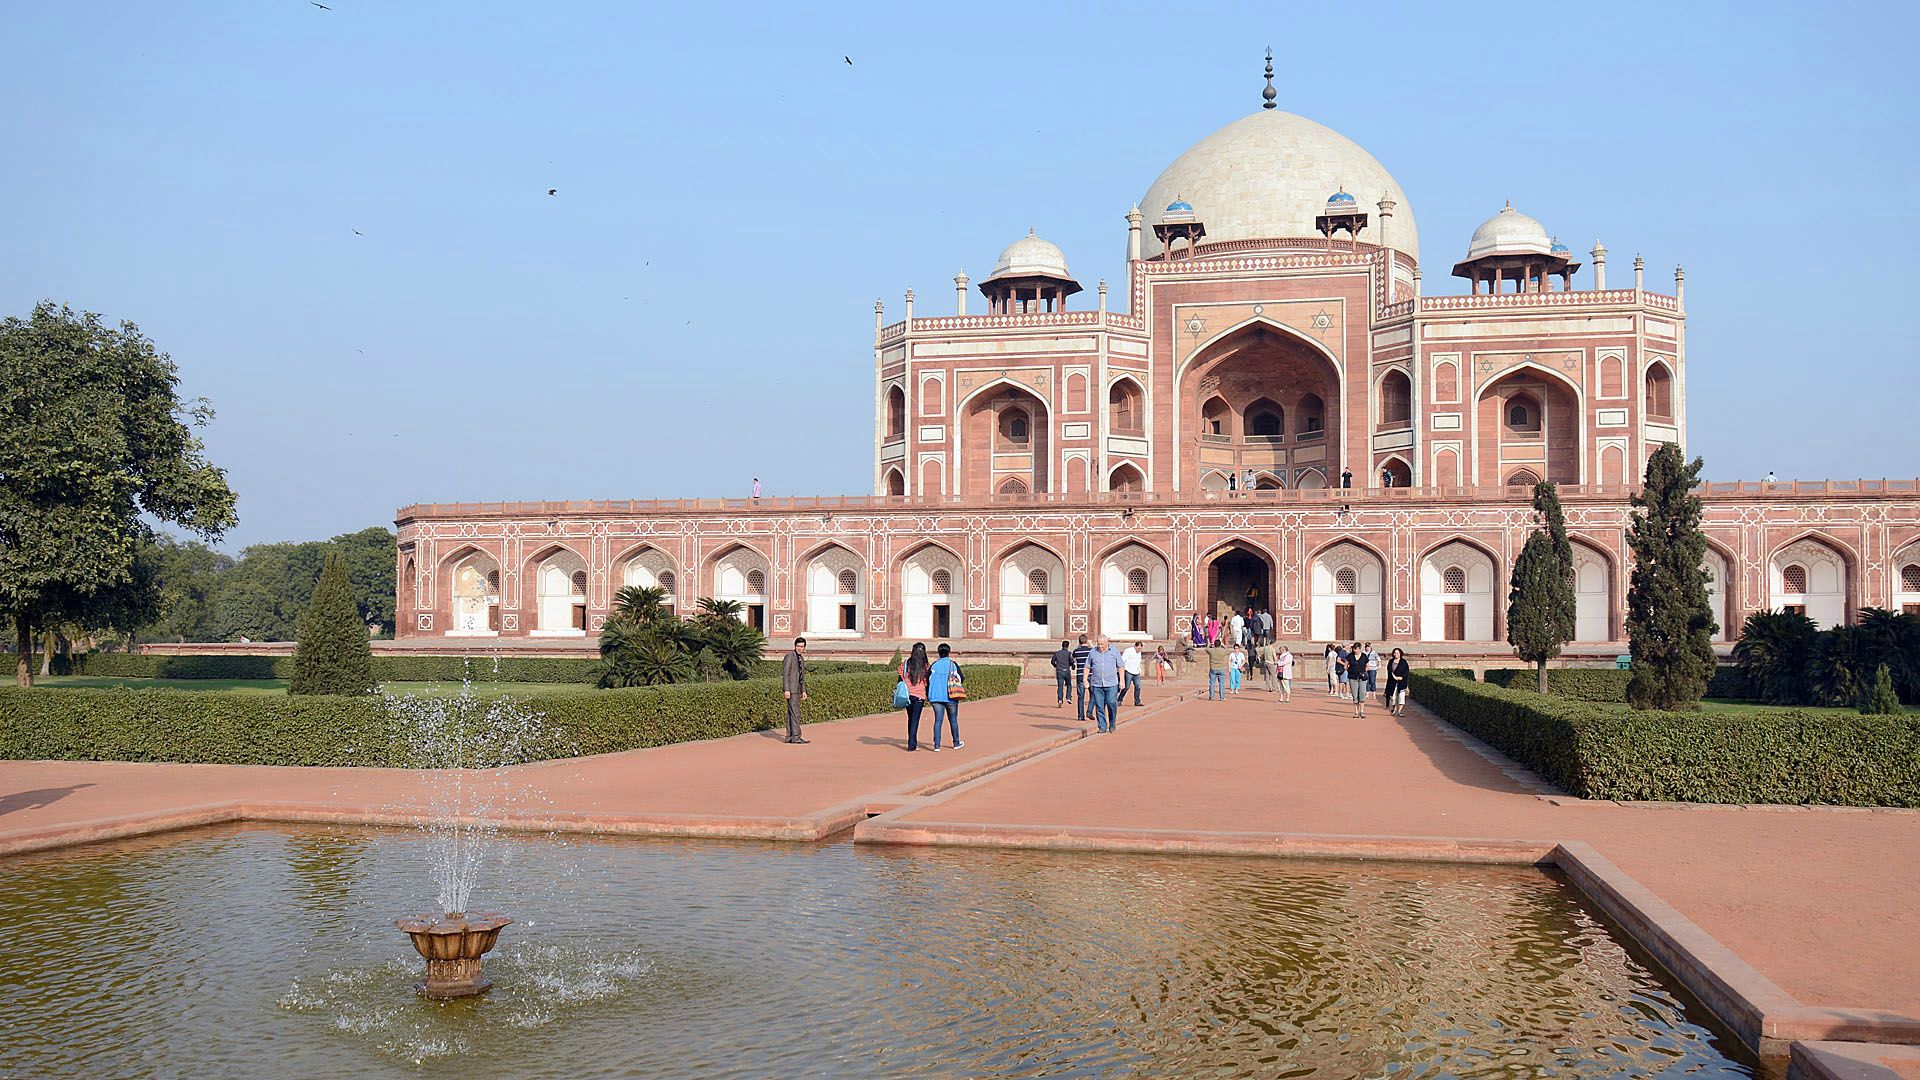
(251, 951)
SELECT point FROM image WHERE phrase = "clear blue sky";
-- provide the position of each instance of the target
(695, 306)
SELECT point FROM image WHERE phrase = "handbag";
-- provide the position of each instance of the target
(901, 697)
(956, 689)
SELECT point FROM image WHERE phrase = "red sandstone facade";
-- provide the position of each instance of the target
(1040, 472)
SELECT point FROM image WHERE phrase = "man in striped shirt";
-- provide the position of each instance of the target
(1080, 654)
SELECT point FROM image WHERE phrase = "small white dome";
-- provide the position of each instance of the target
(1509, 232)
(1031, 256)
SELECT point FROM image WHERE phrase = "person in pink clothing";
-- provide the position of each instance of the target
(914, 671)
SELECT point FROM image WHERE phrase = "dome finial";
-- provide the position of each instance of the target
(1269, 93)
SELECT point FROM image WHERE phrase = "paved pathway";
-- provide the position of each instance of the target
(748, 785)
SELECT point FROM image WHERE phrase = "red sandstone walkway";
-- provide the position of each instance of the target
(1823, 901)
(747, 785)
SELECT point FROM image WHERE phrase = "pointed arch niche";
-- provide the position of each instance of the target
(1258, 398)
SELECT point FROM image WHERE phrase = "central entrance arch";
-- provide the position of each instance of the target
(1259, 400)
(1239, 576)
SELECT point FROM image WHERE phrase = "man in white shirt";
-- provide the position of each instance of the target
(1239, 631)
(1131, 663)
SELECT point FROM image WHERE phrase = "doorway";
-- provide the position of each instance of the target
(1238, 579)
(1456, 622)
(1343, 622)
(942, 620)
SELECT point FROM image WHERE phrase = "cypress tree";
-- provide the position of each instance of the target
(1670, 624)
(1540, 605)
(1879, 698)
(332, 656)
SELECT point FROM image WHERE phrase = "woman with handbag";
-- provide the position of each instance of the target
(946, 689)
(914, 673)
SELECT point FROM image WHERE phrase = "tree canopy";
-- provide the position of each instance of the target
(94, 442)
(332, 656)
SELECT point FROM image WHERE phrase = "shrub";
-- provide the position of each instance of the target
(1879, 699)
(262, 729)
(333, 656)
(1610, 752)
(1669, 621)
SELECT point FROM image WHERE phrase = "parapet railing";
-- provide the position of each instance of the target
(1127, 499)
(893, 332)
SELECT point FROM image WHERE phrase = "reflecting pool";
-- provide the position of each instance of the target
(251, 951)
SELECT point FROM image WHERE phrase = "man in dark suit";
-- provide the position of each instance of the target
(793, 679)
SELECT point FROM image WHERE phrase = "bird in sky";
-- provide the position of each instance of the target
(357, 232)
(318, 4)
(848, 59)
(553, 191)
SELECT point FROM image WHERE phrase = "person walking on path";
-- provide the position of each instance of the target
(941, 679)
(1373, 670)
(1103, 682)
(1237, 630)
(1062, 674)
(1342, 665)
(915, 672)
(1133, 667)
(1080, 702)
(1216, 673)
(1399, 672)
(1333, 670)
(1263, 658)
(1162, 663)
(793, 684)
(1236, 669)
(1285, 664)
(1357, 680)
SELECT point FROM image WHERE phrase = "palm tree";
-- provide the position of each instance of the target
(735, 645)
(1773, 652)
(711, 608)
(1894, 640)
(642, 603)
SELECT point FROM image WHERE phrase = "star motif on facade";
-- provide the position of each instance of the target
(1322, 321)
(1196, 326)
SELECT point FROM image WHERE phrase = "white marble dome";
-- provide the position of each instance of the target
(1031, 256)
(1509, 232)
(1267, 175)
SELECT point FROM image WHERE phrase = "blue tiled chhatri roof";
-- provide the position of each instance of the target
(1180, 205)
(1559, 248)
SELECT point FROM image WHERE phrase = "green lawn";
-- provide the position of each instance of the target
(279, 686)
(1724, 706)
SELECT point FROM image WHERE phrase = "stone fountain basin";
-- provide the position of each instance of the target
(453, 945)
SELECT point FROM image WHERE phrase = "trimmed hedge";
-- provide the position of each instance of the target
(1609, 684)
(217, 727)
(392, 668)
(530, 669)
(1599, 751)
(1579, 684)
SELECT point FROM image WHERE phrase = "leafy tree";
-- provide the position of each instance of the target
(332, 656)
(94, 443)
(189, 580)
(1670, 624)
(1879, 699)
(1773, 653)
(1540, 606)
